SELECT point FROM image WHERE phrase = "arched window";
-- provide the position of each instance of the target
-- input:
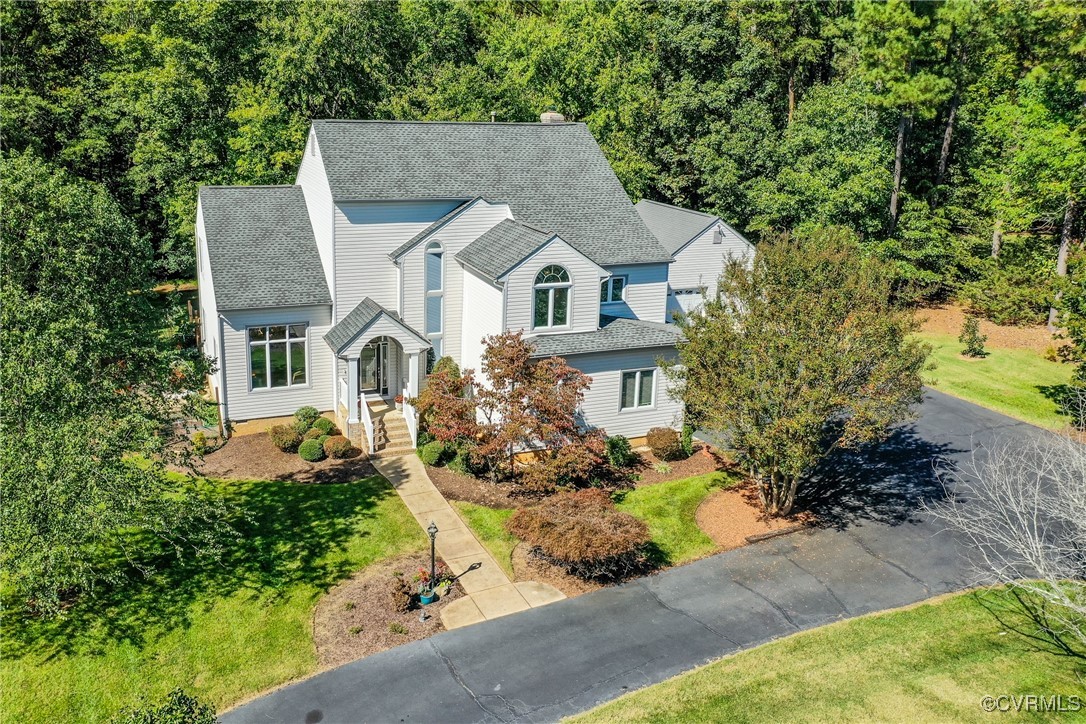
(551, 298)
(435, 301)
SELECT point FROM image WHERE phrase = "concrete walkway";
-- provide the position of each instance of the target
(490, 593)
(877, 550)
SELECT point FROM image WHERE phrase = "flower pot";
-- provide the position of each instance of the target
(426, 597)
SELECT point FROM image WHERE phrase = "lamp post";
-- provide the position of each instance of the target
(432, 532)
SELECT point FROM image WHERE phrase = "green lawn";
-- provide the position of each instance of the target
(488, 525)
(1011, 381)
(933, 662)
(222, 631)
(668, 509)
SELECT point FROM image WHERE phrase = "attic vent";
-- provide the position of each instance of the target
(718, 235)
(551, 116)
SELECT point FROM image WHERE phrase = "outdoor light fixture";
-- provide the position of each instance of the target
(432, 532)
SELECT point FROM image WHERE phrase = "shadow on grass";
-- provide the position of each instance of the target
(883, 482)
(286, 533)
(1070, 400)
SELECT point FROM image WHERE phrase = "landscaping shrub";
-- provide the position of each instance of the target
(570, 466)
(304, 418)
(665, 443)
(323, 439)
(446, 365)
(399, 595)
(432, 453)
(199, 443)
(687, 440)
(971, 338)
(312, 434)
(337, 447)
(424, 437)
(326, 426)
(177, 708)
(582, 532)
(619, 451)
(284, 437)
(311, 451)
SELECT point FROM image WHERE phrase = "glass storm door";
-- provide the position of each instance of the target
(372, 368)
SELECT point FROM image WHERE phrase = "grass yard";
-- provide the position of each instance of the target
(222, 631)
(1011, 381)
(488, 524)
(668, 509)
(932, 662)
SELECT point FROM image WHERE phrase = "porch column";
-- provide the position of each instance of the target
(413, 374)
(352, 390)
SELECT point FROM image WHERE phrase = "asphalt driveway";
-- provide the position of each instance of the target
(876, 550)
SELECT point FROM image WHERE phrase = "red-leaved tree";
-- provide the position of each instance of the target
(444, 407)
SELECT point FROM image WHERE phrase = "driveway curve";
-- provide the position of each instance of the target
(875, 550)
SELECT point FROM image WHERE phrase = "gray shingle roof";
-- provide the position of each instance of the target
(261, 248)
(357, 320)
(615, 333)
(673, 226)
(429, 230)
(502, 248)
(552, 175)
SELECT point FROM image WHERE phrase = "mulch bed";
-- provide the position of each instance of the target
(730, 516)
(704, 460)
(949, 319)
(353, 619)
(254, 457)
(465, 488)
(529, 568)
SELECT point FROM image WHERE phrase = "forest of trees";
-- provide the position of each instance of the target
(949, 136)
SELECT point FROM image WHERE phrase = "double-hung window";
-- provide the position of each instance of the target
(551, 298)
(435, 302)
(638, 389)
(277, 356)
(612, 290)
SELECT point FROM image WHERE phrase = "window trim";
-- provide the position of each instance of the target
(609, 283)
(266, 343)
(434, 247)
(637, 388)
(550, 287)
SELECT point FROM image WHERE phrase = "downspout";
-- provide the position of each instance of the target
(224, 412)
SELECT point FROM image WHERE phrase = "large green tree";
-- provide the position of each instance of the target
(803, 351)
(93, 380)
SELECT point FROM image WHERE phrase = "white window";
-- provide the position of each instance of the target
(435, 301)
(277, 356)
(551, 298)
(613, 290)
(638, 389)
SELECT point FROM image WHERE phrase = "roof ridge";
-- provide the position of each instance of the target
(250, 186)
(531, 124)
(678, 208)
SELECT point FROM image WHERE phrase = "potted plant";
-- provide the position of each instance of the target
(399, 402)
(428, 588)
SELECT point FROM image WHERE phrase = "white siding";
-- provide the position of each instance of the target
(646, 292)
(209, 313)
(485, 318)
(318, 201)
(454, 236)
(366, 232)
(585, 295)
(602, 401)
(700, 263)
(245, 404)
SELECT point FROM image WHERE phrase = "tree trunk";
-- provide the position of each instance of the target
(997, 238)
(1061, 259)
(948, 132)
(791, 93)
(899, 163)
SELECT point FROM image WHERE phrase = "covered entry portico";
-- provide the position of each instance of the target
(377, 358)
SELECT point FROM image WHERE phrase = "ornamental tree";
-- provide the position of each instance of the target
(444, 407)
(801, 352)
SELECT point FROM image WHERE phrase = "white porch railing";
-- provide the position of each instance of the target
(344, 397)
(367, 422)
(411, 417)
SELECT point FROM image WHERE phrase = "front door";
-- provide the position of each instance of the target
(372, 368)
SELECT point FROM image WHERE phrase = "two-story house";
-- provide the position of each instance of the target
(402, 242)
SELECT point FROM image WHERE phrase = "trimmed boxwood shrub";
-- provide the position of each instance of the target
(619, 452)
(304, 418)
(176, 708)
(432, 452)
(583, 532)
(665, 443)
(323, 439)
(312, 434)
(337, 447)
(326, 426)
(311, 451)
(284, 437)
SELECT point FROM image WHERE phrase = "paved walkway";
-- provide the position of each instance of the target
(490, 593)
(877, 550)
